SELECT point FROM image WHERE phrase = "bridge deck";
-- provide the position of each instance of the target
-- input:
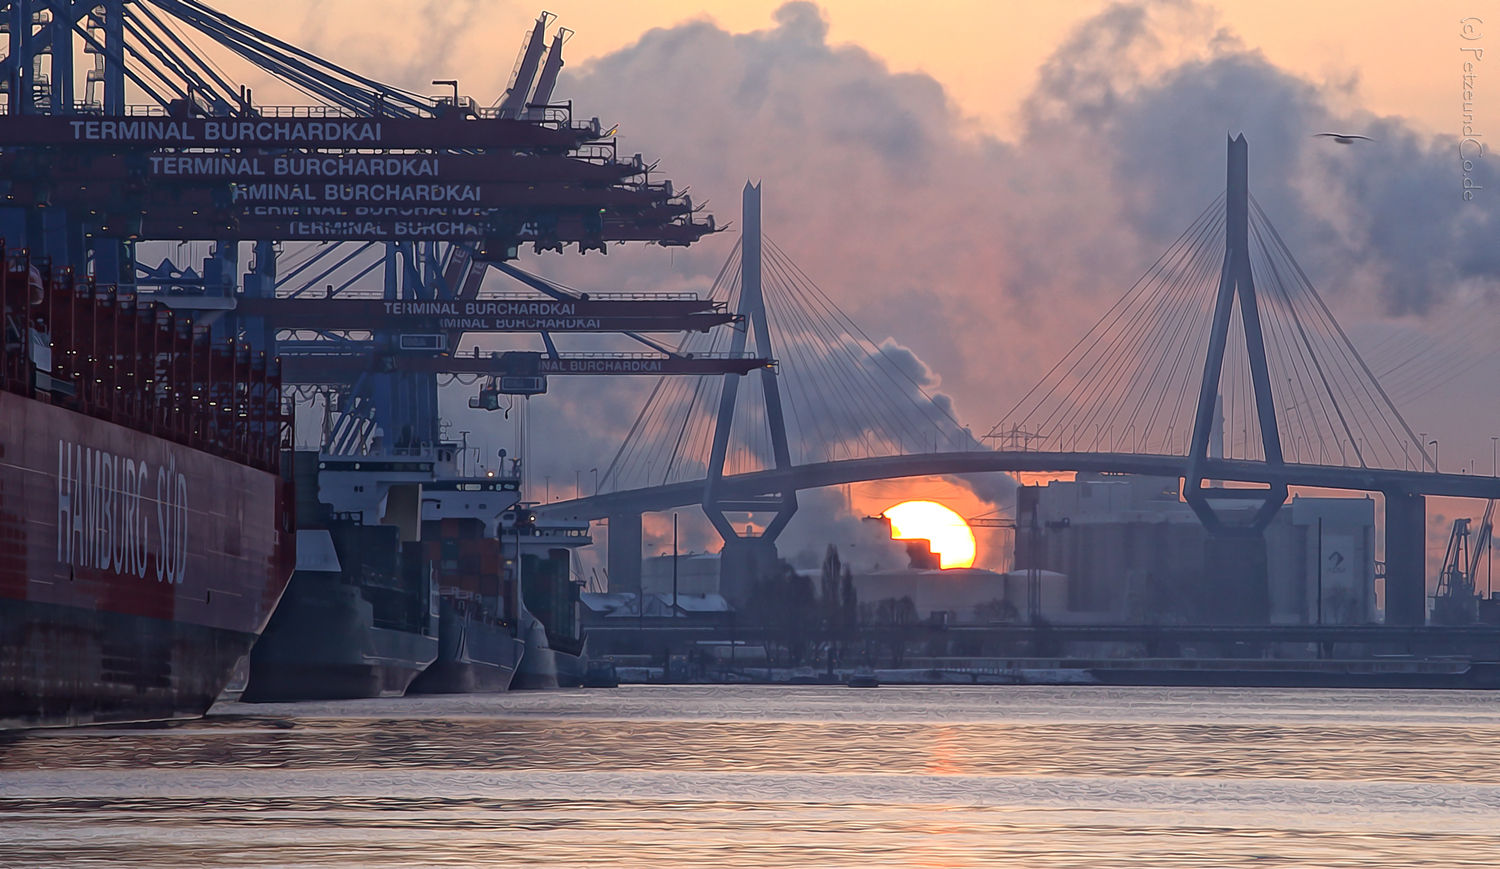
(836, 473)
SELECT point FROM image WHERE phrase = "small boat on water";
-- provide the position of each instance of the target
(601, 674)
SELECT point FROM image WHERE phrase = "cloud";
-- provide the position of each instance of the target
(823, 518)
(998, 490)
(983, 259)
(984, 256)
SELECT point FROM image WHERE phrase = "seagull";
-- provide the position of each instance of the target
(1343, 138)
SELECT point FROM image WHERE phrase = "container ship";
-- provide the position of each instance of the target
(414, 578)
(556, 645)
(146, 526)
(360, 617)
(479, 648)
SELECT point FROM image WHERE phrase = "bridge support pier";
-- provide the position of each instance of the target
(748, 558)
(1405, 559)
(624, 553)
(1237, 588)
(743, 562)
(1236, 279)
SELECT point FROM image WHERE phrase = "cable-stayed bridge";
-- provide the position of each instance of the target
(1222, 366)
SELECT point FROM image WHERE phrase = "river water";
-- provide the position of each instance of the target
(760, 776)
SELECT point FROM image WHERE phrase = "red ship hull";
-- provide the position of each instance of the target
(134, 571)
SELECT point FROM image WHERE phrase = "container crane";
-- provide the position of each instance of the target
(1456, 601)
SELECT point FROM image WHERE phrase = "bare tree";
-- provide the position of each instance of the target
(997, 610)
(785, 605)
(838, 604)
(895, 622)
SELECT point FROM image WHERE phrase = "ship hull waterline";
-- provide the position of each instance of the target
(134, 571)
(91, 667)
(323, 644)
(474, 657)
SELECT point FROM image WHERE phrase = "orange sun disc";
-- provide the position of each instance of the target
(927, 520)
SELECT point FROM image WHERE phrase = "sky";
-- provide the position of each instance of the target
(976, 182)
(985, 53)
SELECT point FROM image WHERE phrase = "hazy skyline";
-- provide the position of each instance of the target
(978, 181)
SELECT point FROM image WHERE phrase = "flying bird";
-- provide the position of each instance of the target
(1343, 138)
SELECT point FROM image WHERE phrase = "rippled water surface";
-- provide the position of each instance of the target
(761, 776)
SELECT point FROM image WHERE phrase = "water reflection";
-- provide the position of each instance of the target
(775, 777)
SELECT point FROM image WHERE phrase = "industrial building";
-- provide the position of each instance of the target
(963, 595)
(1119, 549)
(1134, 551)
(697, 573)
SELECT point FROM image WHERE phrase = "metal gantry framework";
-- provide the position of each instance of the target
(119, 130)
(198, 158)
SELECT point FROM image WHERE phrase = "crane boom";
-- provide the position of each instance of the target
(1486, 530)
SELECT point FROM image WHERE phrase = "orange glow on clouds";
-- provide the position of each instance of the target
(927, 520)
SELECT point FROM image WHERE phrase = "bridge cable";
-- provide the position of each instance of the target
(1345, 345)
(848, 325)
(1114, 347)
(818, 373)
(1045, 392)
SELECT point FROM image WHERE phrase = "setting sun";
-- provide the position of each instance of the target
(927, 520)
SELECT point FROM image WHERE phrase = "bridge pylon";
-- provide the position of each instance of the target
(1235, 279)
(747, 557)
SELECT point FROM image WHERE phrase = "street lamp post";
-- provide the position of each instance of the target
(1436, 468)
(595, 472)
